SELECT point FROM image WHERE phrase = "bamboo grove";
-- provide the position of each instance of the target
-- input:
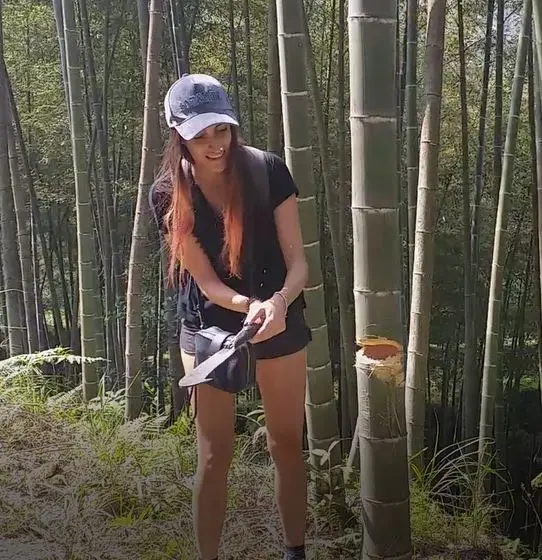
(414, 133)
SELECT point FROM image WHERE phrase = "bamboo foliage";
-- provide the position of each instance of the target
(377, 280)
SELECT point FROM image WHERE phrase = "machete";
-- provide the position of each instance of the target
(204, 369)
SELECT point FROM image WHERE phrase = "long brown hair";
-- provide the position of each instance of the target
(179, 217)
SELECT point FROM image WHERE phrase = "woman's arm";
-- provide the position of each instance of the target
(198, 265)
(291, 244)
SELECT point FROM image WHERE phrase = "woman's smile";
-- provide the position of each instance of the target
(216, 155)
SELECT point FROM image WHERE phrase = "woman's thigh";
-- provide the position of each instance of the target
(214, 414)
(282, 383)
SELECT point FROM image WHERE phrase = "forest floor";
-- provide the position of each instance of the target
(78, 487)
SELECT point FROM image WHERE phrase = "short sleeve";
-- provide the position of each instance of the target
(281, 182)
(159, 202)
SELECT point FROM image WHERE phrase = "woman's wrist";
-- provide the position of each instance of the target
(241, 303)
(282, 299)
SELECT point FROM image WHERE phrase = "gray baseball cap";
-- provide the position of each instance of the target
(196, 101)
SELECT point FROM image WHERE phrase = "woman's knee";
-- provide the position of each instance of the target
(284, 447)
(214, 457)
(214, 430)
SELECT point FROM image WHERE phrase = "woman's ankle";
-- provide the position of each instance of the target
(294, 552)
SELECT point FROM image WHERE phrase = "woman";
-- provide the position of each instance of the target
(240, 257)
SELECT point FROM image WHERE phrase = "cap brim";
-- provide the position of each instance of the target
(195, 125)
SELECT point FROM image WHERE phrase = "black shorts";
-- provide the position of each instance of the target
(296, 337)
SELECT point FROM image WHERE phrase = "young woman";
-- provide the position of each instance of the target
(239, 255)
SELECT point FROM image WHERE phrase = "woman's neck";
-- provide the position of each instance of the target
(211, 185)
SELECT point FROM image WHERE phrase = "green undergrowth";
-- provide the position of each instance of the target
(77, 482)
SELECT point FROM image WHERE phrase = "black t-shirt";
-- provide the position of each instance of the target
(263, 270)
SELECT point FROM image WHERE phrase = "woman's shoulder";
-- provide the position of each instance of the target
(160, 199)
(271, 159)
(280, 180)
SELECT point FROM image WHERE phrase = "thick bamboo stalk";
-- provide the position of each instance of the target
(345, 320)
(377, 280)
(320, 406)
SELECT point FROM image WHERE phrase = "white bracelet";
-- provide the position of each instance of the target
(279, 293)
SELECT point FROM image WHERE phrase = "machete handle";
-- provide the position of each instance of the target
(249, 330)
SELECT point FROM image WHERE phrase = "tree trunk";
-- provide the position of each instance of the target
(139, 249)
(411, 127)
(59, 21)
(274, 114)
(181, 65)
(470, 371)
(537, 203)
(343, 220)
(320, 407)
(143, 17)
(21, 203)
(489, 379)
(250, 89)
(346, 320)
(85, 230)
(233, 60)
(470, 379)
(497, 135)
(424, 247)
(8, 230)
(377, 280)
(114, 355)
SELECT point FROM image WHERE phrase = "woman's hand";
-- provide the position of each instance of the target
(271, 314)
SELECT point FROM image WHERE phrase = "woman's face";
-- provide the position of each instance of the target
(209, 149)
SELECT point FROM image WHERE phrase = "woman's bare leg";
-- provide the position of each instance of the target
(282, 385)
(215, 435)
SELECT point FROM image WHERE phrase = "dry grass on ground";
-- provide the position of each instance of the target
(97, 489)
(83, 491)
